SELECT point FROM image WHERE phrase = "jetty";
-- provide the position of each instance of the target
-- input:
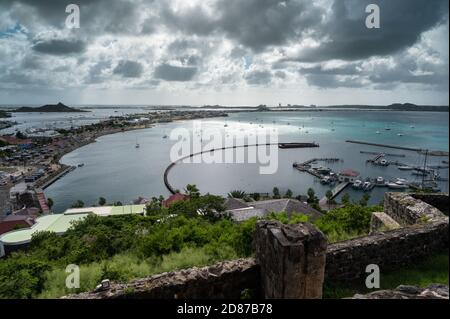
(419, 150)
(386, 154)
(49, 181)
(297, 145)
(386, 146)
(336, 191)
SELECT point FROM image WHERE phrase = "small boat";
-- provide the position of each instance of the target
(397, 185)
(367, 186)
(405, 168)
(380, 180)
(326, 180)
(357, 184)
(377, 132)
(384, 162)
(137, 146)
(165, 136)
(400, 134)
(81, 165)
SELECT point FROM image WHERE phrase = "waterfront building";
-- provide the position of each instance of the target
(59, 224)
(240, 211)
(348, 176)
(174, 198)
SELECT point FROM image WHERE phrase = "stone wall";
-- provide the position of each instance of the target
(391, 250)
(440, 201)
(226, 280)
(424, 234)
(408, 210)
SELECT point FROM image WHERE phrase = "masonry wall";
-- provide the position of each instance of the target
(226, 280)
(391, 250)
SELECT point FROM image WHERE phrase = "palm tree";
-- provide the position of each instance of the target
(192, 191)
(237, 194)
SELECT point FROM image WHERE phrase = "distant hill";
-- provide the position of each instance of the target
(49, 108)
(398, 107)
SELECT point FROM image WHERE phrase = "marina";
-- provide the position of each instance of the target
(111, 158)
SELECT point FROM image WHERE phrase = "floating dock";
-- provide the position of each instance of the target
(297, 145)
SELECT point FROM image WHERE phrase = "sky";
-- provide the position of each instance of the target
(224, 52)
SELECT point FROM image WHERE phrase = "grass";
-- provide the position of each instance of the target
(432, 270)
(125, 267)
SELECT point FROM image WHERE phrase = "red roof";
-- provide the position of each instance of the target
(174, 198)
(350, 173)
(11, 221)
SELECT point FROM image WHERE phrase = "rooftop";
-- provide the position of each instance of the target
(60, 223)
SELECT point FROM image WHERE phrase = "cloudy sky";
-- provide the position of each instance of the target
(228, 52)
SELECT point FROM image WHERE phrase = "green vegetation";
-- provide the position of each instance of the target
(120, 248)
(348, 222)
(433, 270)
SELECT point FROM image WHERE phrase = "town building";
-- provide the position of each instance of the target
(59, 224)
(348, 176)
(240, 210)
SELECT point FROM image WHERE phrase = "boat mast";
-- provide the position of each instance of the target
(424, 169)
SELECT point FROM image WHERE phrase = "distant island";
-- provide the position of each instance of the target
(289, 107)
(49, 108)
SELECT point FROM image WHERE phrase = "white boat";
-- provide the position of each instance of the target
(380, 180)
(357, 184)
(377, 132)
(400, 134)
(405, 168)
(399, 183)
(367, 186)
(384, 162)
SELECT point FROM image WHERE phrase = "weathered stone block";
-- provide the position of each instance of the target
(380, 222)
(292, 260)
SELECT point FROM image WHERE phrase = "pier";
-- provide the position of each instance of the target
(386, 154)
(336, 191)
(419, 150)
(46, 183)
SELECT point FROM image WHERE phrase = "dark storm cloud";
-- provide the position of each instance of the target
(96, 16)
(129, 69)
(59, 46)
(169, 72)
(402, 23)
(409, 70)
(256, 24)
(259, 77)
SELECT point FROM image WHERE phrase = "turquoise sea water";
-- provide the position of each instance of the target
(118, 171)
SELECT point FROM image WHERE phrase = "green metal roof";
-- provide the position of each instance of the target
(60, 223)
